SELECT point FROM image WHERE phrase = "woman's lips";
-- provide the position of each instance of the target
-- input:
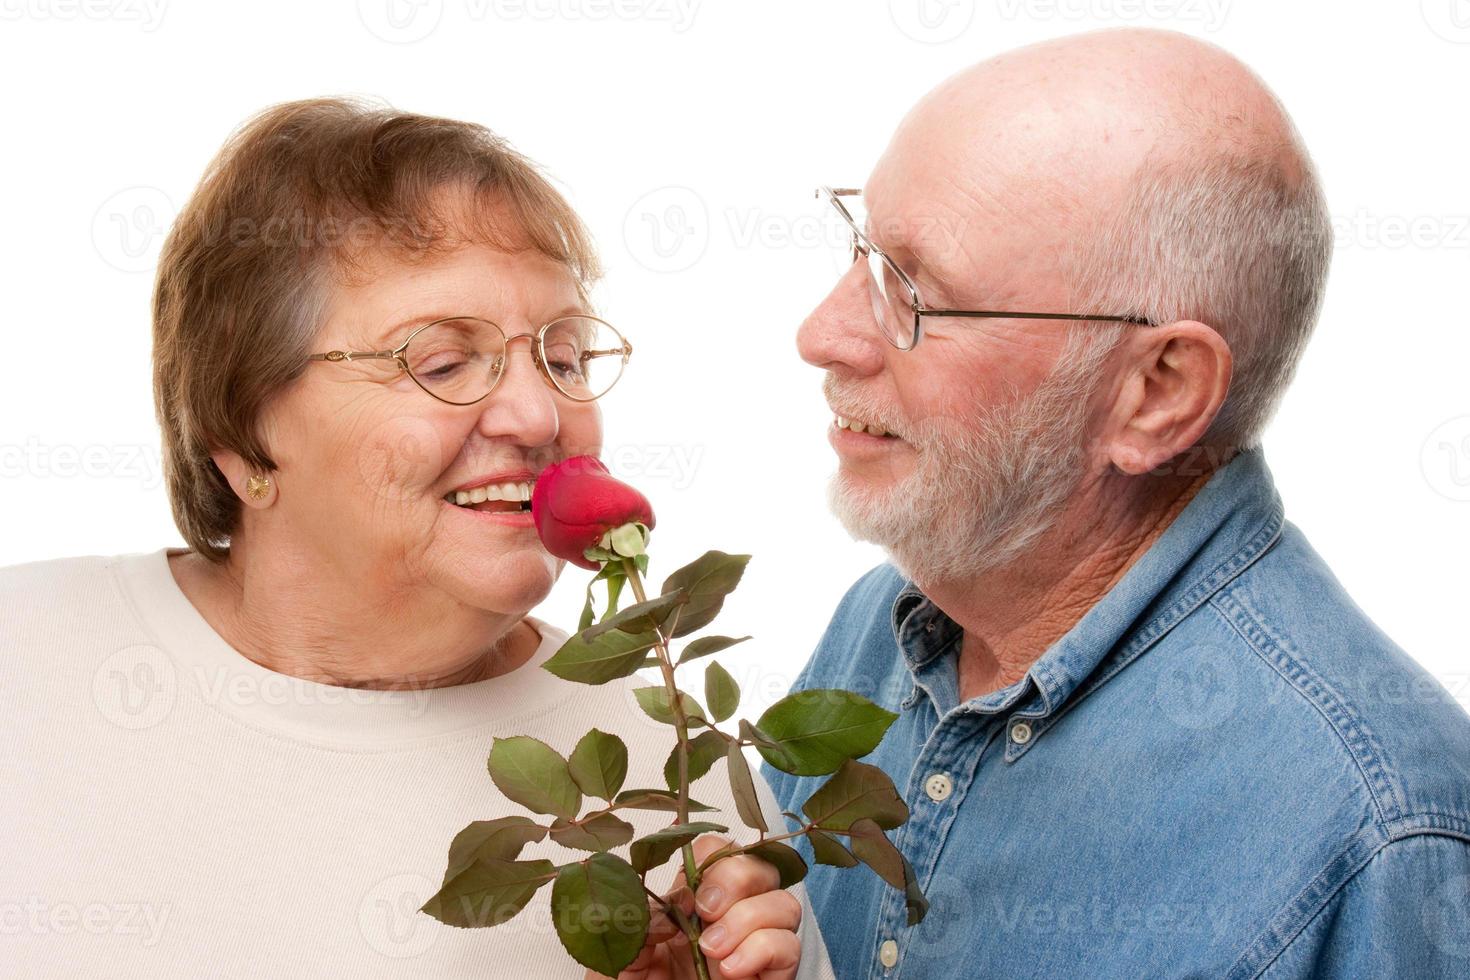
(509, 518)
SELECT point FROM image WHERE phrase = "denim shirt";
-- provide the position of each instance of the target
(1224, 769)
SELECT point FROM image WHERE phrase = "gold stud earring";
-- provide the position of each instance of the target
(257, 486)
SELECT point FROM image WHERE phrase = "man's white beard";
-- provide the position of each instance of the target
(984, 489)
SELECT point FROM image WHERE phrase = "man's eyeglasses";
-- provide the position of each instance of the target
(460, 359)
(896, 304)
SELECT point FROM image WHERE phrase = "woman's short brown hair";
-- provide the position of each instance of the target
(296, 198)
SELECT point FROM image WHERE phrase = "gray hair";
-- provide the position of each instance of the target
(1238, 241)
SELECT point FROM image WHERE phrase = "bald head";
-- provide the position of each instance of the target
(1141, 170)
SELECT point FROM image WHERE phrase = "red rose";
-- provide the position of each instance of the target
(577, 501)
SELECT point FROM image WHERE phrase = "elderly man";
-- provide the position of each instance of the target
(1143, 731)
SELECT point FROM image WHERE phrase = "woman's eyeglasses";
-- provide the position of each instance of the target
(460, 359)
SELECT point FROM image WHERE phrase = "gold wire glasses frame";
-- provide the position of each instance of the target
(620, 348)
(906, 336)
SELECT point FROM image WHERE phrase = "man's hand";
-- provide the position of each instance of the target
(749, 924)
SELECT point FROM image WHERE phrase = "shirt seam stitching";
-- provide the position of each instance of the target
(1369, 763)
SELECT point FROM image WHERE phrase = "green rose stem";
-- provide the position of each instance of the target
(689, 924)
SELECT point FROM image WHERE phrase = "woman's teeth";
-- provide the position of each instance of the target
(855, 426)
(493, 491)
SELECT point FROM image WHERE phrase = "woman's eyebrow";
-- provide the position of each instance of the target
(393, 335)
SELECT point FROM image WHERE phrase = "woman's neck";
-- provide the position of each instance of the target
(406, 651)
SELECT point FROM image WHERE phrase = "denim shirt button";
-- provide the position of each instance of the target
(888, 954)
(1020, 733)
(938, 786)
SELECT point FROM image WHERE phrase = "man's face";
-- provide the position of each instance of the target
(984, 418)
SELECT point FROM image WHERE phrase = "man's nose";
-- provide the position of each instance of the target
(840, 335)
(522, 407)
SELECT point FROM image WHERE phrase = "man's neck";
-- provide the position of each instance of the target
(1012, 614)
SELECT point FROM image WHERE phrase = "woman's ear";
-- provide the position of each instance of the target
(254, 487)
(1176, 378)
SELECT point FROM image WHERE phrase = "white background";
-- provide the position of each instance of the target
(708, 124)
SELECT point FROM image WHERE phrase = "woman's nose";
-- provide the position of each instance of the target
(522, 406)
(840, 335)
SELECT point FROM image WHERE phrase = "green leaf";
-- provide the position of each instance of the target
(755, 736)
(913, 895)
(599, 832)
(721, 692)
(829, 850)
(610, 656)
(872, 847)
(599, 764)
(816, 731)
(657, 799)
(706, 645)
(532, 773)
(614, 592)
(707, 579)
(858, 790)
(656, 704)
(488, 892)
(641, 617)
(586, 619)
(653, 850)
(601, 912)
(499, 840)
(705, 749)
(786, 859)
(742, 787)
(629, 540)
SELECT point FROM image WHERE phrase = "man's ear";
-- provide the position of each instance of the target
(238, 473)
(1175, 378)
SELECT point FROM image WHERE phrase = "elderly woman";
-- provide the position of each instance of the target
(247, 757)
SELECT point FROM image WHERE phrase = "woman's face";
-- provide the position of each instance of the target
(366, 457)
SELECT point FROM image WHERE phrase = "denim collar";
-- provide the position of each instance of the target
(1231, 522)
